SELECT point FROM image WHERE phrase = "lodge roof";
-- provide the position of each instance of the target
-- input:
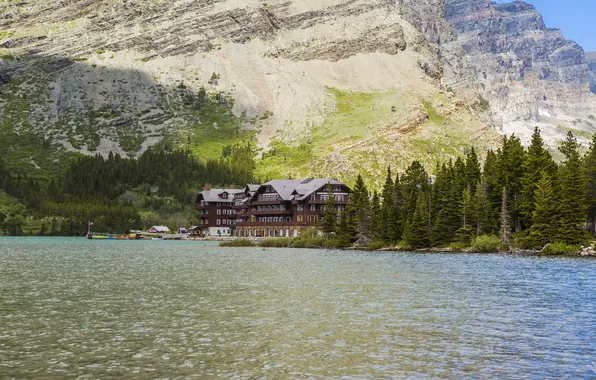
(216, 195)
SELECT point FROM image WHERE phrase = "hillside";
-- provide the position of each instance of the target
(328, 88)
(349, 82)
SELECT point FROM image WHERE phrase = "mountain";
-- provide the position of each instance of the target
(530, 74)
(591, 59)
(323, 88)
(326, 87)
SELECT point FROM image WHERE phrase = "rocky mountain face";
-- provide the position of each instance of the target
(591, 59)
(530, 74)
(325, 87)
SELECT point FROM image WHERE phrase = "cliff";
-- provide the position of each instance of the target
(591, 59)
(530, 74)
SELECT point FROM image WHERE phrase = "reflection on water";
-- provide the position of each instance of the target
(73, 307)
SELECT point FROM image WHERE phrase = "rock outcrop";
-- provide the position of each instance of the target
(591, 59)
(530, 74)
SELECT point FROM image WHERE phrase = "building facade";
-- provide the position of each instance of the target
(285, 208)
(217, 215)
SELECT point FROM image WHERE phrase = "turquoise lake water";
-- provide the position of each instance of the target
(74, 308)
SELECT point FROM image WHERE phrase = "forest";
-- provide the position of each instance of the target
(119, 193)
(519, 198)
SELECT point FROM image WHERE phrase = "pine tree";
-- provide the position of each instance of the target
(473, 172)
(389, 215)
(464, 234)
(505, 219)
(446, 207)
(493, 192)
(329, 222)
(510, 174)
(545, 213)
(572, 195)
(417, 231)
(590, 173)
(376, 218)
(361, 203)
(538, 160)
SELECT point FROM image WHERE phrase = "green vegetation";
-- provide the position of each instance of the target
(118, 193)
(276, 243)
(558, 248)
(487, 244)
(510, 202)
(365, 133)
(237, 243)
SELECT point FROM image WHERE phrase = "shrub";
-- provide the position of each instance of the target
(558, 248)
(276, 242)
(458, 246)
(486, 244)
(376, 244)
(237, 243)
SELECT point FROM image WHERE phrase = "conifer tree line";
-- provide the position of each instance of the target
(92, 187)
(519, 195)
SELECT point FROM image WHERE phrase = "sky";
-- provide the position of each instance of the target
(576, 18)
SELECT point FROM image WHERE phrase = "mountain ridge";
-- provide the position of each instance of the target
(322, 87)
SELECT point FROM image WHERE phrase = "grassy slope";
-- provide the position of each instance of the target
(369, 131)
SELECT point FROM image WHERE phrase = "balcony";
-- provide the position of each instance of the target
(274, 224)
(271, 212)
(323, 202)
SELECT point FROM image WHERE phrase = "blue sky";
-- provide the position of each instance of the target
(576, 18)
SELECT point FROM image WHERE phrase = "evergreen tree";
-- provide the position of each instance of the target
(446, 207)
(414, 180)
(376, 218)
(417, 231)
(389, 225)
(538, 160)
(505, 219)
(493, 191)
(464, 234)
(572, 195)
(329, 222)
(510, 174)
(361, 203)
(473, 171)
(480, 211)
(545, 213)
(590, 173)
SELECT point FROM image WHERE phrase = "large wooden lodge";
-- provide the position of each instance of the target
(278, 208)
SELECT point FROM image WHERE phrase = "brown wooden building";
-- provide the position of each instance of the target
(285, 207)
(217, 215)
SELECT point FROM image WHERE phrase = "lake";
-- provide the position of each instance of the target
(71, 307)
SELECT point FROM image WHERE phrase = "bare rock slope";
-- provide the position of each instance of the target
(344, 80)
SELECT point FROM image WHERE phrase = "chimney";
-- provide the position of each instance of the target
(207, 186)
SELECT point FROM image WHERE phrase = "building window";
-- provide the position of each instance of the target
(313, 207)
(299, 208)
(299, 218)
(313, 218)
(225, 221)
(313, 197)
(218, 212)
(218, 222)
